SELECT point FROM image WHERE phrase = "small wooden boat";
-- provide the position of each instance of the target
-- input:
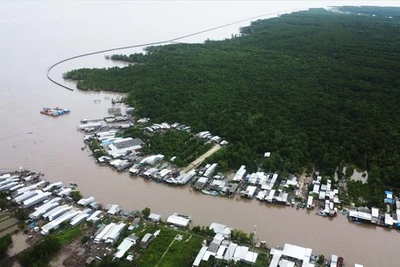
(321, 213)
(210, 192)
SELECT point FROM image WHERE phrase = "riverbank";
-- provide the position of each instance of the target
(70, 218)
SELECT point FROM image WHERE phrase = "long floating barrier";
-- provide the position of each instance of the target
(148, 44)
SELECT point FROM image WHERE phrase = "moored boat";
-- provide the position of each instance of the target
(321, 213)
(210, 192)
(340, 262)
(54, 112)
(183, 216)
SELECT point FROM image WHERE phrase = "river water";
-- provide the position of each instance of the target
(37, 34)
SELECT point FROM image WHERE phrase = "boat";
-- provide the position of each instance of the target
(183, 216)
(54, 112)
(321, 213)
(210, 192)
(344, 211)
(340, 262)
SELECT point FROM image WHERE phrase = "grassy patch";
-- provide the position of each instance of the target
(68, 234)
(8, 223)
(10, 230)
(181, 253)
(179, 144)
(262, 260)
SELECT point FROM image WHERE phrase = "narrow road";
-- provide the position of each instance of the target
(200, 159)
(167, 249)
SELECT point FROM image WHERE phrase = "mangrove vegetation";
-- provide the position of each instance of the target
(315, 88)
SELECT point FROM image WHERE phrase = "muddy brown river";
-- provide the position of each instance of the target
(36, 35)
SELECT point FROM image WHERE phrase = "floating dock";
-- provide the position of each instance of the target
(54, 112)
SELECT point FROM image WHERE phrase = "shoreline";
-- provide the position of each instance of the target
(247, 186)
(168, 41)
(24, 174)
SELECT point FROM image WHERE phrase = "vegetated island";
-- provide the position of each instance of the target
(318, 88)
(133, 58)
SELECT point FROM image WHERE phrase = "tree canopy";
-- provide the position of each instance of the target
(315, 88)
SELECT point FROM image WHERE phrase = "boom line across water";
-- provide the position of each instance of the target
(148, 44)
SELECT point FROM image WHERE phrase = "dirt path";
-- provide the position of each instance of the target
(304, 181)
(200, 159)
(68, 253)
(167, 249)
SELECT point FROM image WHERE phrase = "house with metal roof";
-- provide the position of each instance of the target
(310, 204)
(210, 170)
(146, 240)
(18, 186)
(375, 215)
(154, 217)
(388, 197)
(124, 145)
(153, 159)
(113, 234)
(113, 209)
(39, 212)
(261, 195)
(199, 257)
(86, 201)
(316, 188)
(389, 222)
(269, 182)
(217, 185)
(240, 253)
(9, 180)
(360, 216)
(80, 217)
(135, 223)
(56, 223)
(200, 183)
(289, 255)
(8, 185)
(24, 189)
(249, 192)
(150, 173)
(53, 185)
(221, 251)
(64, 192)
(239, 175)
(95, 216)
(35, 199)
(178, 220)
(48, 213)
(185, 177)
(230, 252)
(125, 245)
(271, 196)
(27, 195)
(100, 236)
(54, 215)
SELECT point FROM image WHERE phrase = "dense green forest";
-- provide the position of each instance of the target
(316, 88)
(134, 58)
(181, 145)
(380, 11)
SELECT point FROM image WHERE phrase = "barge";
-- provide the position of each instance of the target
(54, 112)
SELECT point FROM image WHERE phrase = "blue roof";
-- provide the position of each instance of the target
(107, 142)
(389, 200)
(388, 192)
